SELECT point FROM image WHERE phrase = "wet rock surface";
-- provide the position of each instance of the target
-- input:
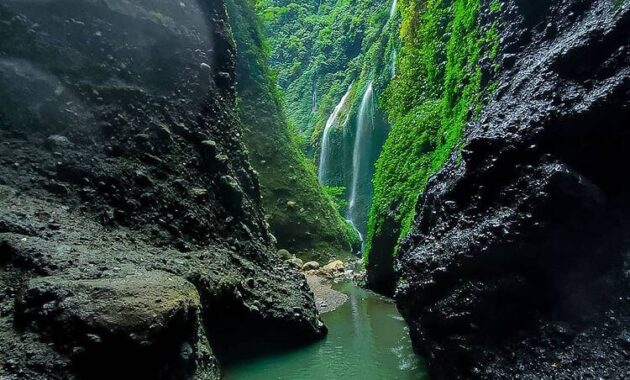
(130, 219)
(517, 266)
(150, 323)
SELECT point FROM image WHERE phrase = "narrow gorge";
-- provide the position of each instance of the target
(314, 189)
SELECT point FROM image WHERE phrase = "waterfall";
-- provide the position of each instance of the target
(394, 57)
(360, 159)
(357, 231)
(392, 11)
(314, 99)
(324, 155)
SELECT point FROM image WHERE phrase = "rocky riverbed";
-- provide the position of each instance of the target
(326, 298)
(322, 278)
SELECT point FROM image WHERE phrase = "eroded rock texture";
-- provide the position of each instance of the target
(132, 239)
(518, 265)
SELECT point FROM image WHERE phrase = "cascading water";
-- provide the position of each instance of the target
(357, 209)
(325, 154)
(392, 11)
(394, 57)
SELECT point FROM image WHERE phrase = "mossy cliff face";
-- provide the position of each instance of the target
(323, 52)
(444, 74)
(301, 216)
(517, 262)
(125, 186)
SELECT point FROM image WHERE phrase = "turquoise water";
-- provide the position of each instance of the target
(367, 340)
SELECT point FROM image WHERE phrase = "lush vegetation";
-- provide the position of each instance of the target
(338, 195)
(321, 50)
(318, 49)
(301, 215)
(445, 65)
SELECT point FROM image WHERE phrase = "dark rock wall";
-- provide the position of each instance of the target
(142, 95)
(122, 168)
(517, 264)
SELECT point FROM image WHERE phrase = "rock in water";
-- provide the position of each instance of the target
(121, 159)
(530, 228)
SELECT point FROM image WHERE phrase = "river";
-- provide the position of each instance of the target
(367, 340)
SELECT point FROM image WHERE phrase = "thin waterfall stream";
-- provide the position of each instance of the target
(314, 99)
(394, 58)
(325, 154)
(392, 11)
(360, 162)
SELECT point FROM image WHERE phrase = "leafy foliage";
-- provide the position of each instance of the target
(444, 68)
(338, 196)
(318, 48)
(443, 75)
(342, 46)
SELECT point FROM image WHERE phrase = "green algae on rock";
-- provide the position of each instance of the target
(445, 66)
(150, 323)
(300, 214)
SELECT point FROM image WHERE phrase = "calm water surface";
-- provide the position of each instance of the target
(367, 340)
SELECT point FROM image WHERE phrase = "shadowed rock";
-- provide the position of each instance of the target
(516, 264)
(149, 324)
(121, 167)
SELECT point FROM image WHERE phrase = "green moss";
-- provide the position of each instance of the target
(495, 6)
(338, 196)
(439, 88)
(302, 217)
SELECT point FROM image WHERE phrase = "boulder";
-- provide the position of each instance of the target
(57, 141)
(333, 269)
(298, 263)
(147, 323)
(311, 265)
(284, 254)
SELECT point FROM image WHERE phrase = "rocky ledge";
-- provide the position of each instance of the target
(517, 266)
(94, 293)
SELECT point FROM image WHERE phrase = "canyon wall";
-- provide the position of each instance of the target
(133, 242)
(517, 261)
